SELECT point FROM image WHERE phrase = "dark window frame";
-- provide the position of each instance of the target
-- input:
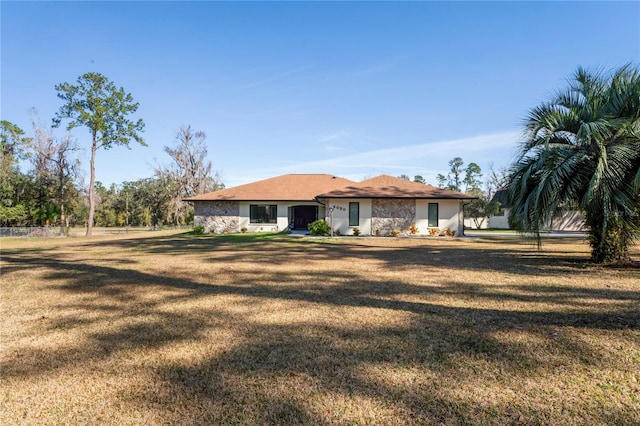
(263, 213)
(430, 218)
(355, 222)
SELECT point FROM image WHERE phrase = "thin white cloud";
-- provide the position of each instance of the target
(484, 146)
(274, 77)
(341, 134)
(427, 159)
(334, 148)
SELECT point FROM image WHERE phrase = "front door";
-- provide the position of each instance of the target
(304, 215)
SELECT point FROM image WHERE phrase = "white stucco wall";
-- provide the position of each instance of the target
(341, 215)
(568, 221)
(449, 215)
(470, 223)
(500, 222)
(422, 216)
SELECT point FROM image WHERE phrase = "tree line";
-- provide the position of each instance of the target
(50, 190)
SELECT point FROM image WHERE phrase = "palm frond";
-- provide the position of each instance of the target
(583, 149)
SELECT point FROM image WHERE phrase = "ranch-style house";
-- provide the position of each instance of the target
(383, 205)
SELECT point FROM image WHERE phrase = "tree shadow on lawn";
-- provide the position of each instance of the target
(512, 255)
(329, 287)
(407, 371)
(282, 373)
(115, 282)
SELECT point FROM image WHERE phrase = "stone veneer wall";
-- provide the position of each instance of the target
(217, 216)
(387, 215)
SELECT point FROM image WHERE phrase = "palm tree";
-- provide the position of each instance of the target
(582, 150)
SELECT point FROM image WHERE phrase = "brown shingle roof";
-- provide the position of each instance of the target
(385, 186)
(292, 187)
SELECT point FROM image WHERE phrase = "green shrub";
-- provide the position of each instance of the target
(356, 231)
(243, 229)
(198, 230)
(319, 227)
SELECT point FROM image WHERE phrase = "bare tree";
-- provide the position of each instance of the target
(190, 172)
(497, 179)
(65, 170)
(40, 154)
(53, 166)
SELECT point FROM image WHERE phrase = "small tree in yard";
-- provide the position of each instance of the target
(97, 104)
(481, 208)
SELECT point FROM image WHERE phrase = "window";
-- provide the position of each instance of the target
(263, 213)
(354, 214)
(433, 215)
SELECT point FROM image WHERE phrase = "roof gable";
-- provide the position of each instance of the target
(309, 187)
(385, 186)
(501, 196)
(290, 187)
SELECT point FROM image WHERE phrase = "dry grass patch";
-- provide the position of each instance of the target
(166, 328)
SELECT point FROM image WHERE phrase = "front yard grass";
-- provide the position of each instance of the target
(168, 328)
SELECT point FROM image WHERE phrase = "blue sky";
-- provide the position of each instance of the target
(354, 89)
